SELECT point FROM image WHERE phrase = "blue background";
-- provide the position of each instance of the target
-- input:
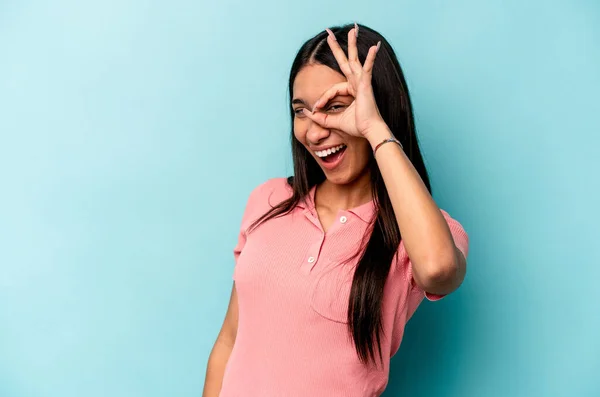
(131, 133)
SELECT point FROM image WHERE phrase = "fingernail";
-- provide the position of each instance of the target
(331, 34)
(356, 29)
(378, 45)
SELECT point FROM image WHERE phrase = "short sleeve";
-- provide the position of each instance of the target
(257, 204)
(461, 240)
(237, 250)
(245, 224)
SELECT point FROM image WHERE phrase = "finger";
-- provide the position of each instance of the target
(324, 120)
(352, 50)
(370, 61)
(339, 54)
(335, 90)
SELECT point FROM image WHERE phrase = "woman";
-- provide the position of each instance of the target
(332, 262)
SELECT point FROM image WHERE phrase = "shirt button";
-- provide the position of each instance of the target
(311, 259)
(343, 219)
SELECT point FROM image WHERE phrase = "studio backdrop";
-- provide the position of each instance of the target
(132, 132)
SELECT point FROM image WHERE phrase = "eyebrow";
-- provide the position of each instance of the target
(298, 101)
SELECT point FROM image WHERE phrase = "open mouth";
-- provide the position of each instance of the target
(331, 155)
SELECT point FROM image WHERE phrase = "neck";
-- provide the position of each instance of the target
(343, 197)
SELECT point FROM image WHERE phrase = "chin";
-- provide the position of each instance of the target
(337, 179)
(341, 178)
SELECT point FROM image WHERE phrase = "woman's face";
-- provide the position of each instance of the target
(342, 157)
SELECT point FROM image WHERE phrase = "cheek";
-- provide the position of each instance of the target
(299, 131)
(366, 151)
(362, 150)
(361, 153)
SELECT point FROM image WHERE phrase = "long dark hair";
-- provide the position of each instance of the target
(383, 236)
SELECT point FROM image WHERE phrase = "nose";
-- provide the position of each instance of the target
(315, 133)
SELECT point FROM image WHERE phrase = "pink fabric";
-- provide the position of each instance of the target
(293, 293)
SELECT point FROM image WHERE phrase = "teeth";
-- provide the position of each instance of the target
(324, 153)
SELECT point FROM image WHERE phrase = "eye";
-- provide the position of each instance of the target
(298, 112)
(336, 108)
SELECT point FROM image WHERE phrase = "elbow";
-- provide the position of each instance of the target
(444, 273)
(440, 273)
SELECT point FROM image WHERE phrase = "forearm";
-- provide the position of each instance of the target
(436, 262)
(215, 369)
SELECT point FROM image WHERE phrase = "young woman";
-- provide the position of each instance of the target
(332, 262)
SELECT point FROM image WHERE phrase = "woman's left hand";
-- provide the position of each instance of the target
(362, 115)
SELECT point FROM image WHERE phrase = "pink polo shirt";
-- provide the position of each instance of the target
(292, 337)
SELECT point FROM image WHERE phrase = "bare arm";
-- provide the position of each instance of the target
(219, 355)
(438, 265)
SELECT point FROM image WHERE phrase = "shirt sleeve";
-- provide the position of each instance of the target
(244, 225)
(257, 204)
(461, 240)
(237, 250)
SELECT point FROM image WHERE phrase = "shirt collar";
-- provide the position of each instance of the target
(364, 211)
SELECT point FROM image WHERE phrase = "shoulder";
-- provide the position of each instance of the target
(273, 186)
(269, 193)
(459, 235)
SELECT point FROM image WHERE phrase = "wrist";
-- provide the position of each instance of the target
(378, 134)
